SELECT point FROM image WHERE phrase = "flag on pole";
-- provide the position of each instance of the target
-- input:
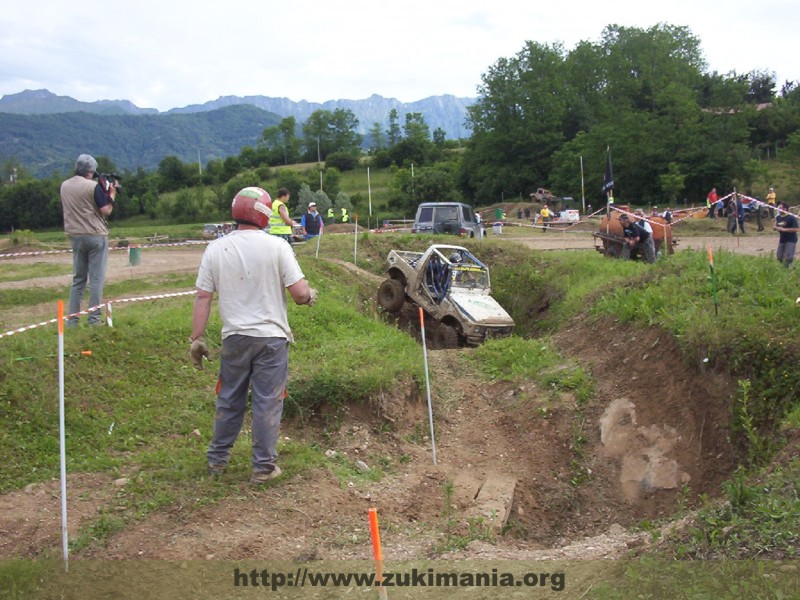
(608, 180)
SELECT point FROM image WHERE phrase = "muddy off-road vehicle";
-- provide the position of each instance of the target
(452, 287)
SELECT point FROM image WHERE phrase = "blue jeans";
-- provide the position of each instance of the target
(89, 258)
(260, 365)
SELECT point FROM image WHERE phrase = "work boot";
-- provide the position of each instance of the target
(216, 470)
(259, 477)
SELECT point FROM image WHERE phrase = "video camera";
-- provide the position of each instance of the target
(108, 180)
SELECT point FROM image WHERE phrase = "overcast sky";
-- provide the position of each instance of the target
(165, 54)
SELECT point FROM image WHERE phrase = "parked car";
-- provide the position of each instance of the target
(750, 208)
(215, 230)
(453, 218)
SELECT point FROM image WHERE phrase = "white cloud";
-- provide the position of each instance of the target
(163, 54)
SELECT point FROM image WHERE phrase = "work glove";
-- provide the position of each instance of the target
(312, 296)
(197, 351)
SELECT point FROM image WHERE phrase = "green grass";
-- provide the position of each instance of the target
(19, 272)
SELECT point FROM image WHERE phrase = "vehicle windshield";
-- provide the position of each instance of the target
(468, 277)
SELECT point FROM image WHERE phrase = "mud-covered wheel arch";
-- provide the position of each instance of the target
(391, 295)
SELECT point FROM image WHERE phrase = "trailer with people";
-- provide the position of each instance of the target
(609, 240)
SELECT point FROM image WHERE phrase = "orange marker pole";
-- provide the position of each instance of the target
(377, 551)
(427, 381)
(62, 436)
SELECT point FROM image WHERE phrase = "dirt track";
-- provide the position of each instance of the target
(155, 261)
(755, 244)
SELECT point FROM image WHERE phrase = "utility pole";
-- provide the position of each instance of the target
(319, 165)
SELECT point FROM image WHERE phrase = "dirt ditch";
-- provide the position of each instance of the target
(654, 435)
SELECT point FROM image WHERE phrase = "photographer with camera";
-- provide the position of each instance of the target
(86, 204)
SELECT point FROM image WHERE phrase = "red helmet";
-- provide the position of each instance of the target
(252, 205)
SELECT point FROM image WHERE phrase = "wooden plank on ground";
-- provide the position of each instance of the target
(494, 500)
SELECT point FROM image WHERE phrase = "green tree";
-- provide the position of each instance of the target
(281, 142)
(326, 132)
(672, 182)
(517, 123)
(393, 133)
(305, 196)
(172, 174)
(331, 181)
(416, 128)
(375, 138)
(343, 201)
(316, 139)
(30, 204)
(429, 184)
(343, 161)
(344, 132)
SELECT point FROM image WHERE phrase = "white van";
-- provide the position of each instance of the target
(453, 218)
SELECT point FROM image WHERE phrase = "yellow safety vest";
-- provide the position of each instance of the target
(276, 224)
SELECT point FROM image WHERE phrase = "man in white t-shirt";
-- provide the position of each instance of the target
(249, 270)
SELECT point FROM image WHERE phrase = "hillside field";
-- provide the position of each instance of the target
(639, 430)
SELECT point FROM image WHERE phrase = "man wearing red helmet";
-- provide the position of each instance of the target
(249, 270)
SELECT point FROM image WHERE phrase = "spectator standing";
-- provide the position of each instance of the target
(345, 216)
(759, 224)
(739, 212)
(547, 216)
(771, 199)
(86, 205)
(730, 211)
(312, 222)
(786, 224)
(711, 203)
(280, 224)
(331, 217)
(249, 271)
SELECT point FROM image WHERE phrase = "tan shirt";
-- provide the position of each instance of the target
(81, 215)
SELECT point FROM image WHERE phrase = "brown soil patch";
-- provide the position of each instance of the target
(31, 517)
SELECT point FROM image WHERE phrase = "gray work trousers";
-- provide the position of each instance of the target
(262, 366)
(647, 249)
(785, 253)
(89, 259)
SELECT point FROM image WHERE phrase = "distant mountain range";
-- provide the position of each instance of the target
(45, 132)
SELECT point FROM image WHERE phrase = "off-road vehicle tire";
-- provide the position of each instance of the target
(445, 337)
(391, 295)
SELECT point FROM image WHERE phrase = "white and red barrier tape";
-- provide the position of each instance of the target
(126, 248)
(94, 308)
